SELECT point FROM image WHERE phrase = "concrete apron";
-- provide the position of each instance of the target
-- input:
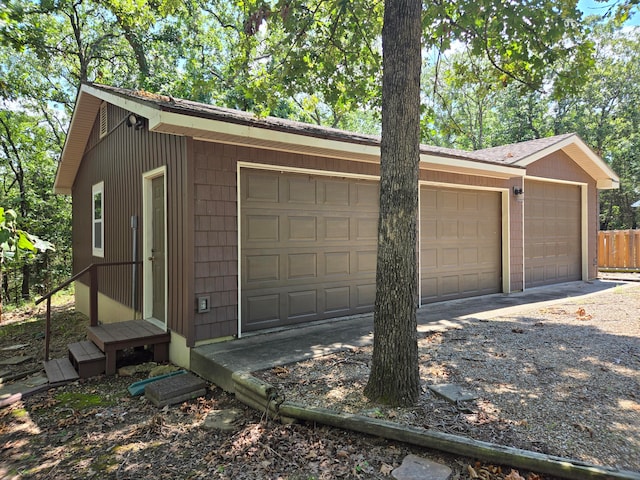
(259, 351)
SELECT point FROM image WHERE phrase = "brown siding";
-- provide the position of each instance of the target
(559, 166)
(119, 159)
(215, 239)
(216, 230)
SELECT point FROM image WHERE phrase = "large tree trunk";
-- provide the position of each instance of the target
(394, 377)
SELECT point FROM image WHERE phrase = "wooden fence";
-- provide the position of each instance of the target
(619, 250)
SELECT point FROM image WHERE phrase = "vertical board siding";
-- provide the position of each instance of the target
(119, 159)
(619, 250)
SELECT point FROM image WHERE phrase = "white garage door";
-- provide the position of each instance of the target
(308, 247)
(460, 243)
(552, 232)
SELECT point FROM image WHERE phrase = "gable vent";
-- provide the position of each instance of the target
(103, 120)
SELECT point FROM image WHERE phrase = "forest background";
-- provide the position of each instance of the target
(316, 61)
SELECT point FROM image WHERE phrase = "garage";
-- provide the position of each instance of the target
(308, 247)
(460, 243)
(552, 233)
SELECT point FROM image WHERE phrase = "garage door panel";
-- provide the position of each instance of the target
(263, 308)
(448, 200)
(335, 193)
(301, 229)
(366, 195)
(460, 243)
(429, 259)
(366, 262)
(336, 228)
(470, 256)
(337, 299)
(302, 266)
(308, 252)
(469, 229)
(337, 263)
(302, 303)
(301, 191)
(260, 268)
(448, 229)
(261, 187)
(365, 295)
(450, 285)
(366, 228)
(449, 257)
(262, 228)
(552, 233)
(470, 282)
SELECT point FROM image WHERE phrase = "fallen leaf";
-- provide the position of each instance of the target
(472, 472)
(342, 454)
(514, 475)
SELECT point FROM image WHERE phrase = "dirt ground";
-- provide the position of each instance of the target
(584, 405)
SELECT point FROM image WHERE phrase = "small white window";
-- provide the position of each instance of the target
(97, 200)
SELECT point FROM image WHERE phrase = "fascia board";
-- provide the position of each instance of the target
(207, 129)
(129, 104)
(458, 165)
(75, 142)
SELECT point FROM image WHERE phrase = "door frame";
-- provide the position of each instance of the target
(147, 245)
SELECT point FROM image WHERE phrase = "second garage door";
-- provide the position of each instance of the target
(460, 243)
(308, 247)
(552, 232)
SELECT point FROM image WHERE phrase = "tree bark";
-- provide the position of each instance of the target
(394, 377)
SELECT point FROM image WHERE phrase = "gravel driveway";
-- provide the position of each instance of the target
(561, 378)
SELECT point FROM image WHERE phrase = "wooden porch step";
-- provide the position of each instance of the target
(87, 359)
(113, 337)
(60, 370)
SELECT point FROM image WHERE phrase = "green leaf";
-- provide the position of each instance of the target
(24, 243)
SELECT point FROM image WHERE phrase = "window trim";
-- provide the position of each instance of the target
(97, 189)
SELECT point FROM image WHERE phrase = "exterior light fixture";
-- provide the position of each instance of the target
(519, 194)
(135, 121)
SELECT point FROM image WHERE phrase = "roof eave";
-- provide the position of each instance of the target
(470, 167)
(586, 158)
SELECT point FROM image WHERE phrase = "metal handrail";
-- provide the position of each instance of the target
(92, 270)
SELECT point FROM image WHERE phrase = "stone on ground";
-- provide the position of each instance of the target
(222, 420)
(16, 360)
(131, 370)
(453, 393)
(22, 386)
(162, 370)
(418, 468)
